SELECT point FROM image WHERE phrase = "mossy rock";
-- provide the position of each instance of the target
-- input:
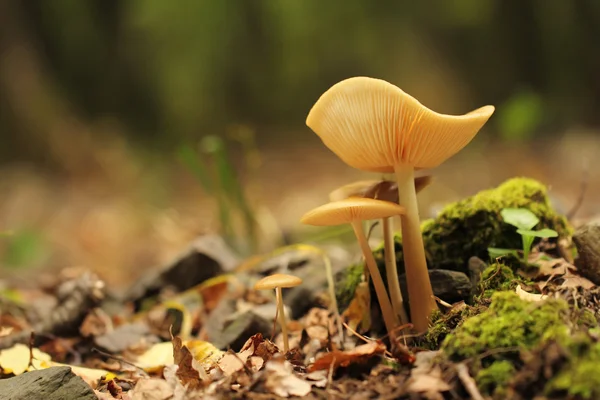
(509, 322)
(469, 227)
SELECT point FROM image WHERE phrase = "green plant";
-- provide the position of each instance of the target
(212, 167)
(524, 220)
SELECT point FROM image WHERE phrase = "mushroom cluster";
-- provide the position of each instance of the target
(373, 125)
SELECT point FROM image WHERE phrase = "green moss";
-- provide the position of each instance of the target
(468, 227)
(498, 277)
(586, 319)
(508, 322)
(346, 284)
(580, 376)
(442, 324)
(494, 379)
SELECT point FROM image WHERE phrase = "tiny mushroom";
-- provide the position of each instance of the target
(373, 125)
(354, 211)
(277, 282)
(388, 191)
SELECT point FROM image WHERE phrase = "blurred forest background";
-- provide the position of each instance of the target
(129, 127)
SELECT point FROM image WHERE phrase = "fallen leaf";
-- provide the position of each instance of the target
(524, 295)
(577, 281)
(281, 381)
(359, 354)
(183, 358)
(358, 314)
(156, 357)
(151, 389)
(426, 376)
(15, 360)
(256, 347)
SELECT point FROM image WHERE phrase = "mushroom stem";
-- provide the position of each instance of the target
(280, 311)
(389, 318)
(420, 294)
(391, 271)
(334, 304)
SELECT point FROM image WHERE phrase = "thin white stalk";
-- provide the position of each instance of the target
(391, 271)
(420, 294)
(284, 333)
(334, 304)
(389, 318)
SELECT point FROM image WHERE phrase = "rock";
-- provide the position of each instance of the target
(125, 336)
(476, 266)
(587, 241)
(237, 332)
(56, 383)
(207, 257)
(450, 286)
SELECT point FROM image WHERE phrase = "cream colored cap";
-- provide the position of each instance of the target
(277, 280)
(350, 210)
(376, 189)
(373, 125)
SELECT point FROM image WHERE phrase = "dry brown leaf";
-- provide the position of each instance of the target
(577, 281)
(256, 348)
(183, 358)
(426, 376)
(151, 389)
(281, 381)
(359, 354)
(358, 314)
(552, 268)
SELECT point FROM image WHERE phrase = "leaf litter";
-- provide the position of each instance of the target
(155, 351)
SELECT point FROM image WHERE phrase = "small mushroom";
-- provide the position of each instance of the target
(277, 282)
(354, 211)
(375, 126)
(388, 191)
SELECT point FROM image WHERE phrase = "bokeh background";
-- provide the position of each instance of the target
(127, 128)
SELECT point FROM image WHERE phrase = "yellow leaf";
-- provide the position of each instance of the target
(15, 360)
(161, 354)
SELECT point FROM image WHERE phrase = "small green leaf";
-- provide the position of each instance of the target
(542, 233)
(522, 218)
(496, 252)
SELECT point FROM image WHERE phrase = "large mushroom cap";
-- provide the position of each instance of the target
(277, 280)
(349, 210)
(373, 125)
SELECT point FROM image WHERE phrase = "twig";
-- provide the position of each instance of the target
(585, 174)
(468, 382)
(31, 344)
(119, 359)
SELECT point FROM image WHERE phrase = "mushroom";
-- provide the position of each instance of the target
(373, 125)
(388, 191)
(277, 282)
(354, 211)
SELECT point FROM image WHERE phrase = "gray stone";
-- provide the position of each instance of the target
(207, 257)
(56, 383)
(476, 266)
(450, 286)
(587, 241)
(237, 332)
(125, 336)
